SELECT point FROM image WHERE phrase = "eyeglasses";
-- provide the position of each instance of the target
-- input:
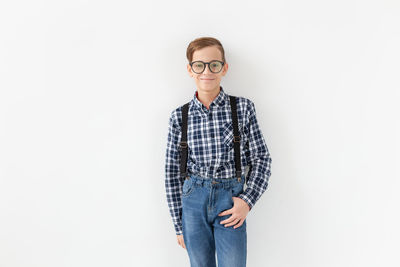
(214, 66)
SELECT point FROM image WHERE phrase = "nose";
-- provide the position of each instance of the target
(207, 69)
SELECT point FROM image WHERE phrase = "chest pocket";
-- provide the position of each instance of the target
(227, 136)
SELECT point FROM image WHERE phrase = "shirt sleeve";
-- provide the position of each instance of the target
(173, 182)
(260, 161)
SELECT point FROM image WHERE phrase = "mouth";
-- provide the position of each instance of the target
(206, 79)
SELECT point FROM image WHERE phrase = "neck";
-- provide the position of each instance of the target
(206, 97)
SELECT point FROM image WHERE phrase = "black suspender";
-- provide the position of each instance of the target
(183, 143)
(236, 139)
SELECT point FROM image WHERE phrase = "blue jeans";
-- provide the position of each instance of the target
(202, 200)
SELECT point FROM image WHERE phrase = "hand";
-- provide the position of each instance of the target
(239, 212)
(181, 242)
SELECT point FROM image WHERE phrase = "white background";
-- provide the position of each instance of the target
(87, 88)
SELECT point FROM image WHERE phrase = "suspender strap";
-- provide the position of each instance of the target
(236, 136)
(183, 144)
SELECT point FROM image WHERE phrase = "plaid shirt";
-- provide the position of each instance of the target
(211, 152)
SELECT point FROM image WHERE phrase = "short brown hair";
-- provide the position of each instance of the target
(202, 42)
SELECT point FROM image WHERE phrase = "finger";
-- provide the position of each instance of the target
(182, 243)
(232, 223)
(226, 212)
(228, 220)
(239, 224)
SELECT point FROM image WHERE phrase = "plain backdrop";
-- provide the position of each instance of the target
(87, 88)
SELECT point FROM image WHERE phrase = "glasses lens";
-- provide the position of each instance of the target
(215, 66)
(198, 67)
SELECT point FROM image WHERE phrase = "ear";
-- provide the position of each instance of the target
(189, 69)
(225, 69)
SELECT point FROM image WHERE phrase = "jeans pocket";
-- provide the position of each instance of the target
(187, 188)
(237, 189)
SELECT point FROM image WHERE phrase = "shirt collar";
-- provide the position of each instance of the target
(218, 101)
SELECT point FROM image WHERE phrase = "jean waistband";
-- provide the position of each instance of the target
(216, 182)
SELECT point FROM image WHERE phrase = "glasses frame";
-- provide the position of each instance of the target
(205, 65)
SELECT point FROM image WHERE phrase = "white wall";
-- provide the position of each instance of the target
(87, 88)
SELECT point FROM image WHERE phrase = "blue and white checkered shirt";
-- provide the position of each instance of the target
(210, 149)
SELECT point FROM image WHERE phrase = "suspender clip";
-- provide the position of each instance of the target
(238, 174)
(236, 138)
(183, 144)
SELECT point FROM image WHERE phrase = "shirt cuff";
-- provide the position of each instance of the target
(178, 230)
(249, 197)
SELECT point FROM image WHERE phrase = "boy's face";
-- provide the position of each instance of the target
(207, 81)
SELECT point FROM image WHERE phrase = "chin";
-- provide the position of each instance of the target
(208, 84)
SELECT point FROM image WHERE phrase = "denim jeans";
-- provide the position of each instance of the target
(202, 200)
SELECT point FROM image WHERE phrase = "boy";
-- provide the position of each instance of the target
(209, 206)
